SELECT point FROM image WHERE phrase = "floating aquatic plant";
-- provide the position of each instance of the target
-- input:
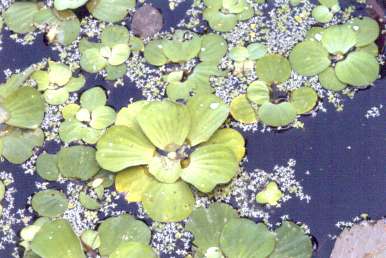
(21, 113)
(324, 12)
(245, 57)
(271, 194)
(57, 82)
(340, 55)
(260, 104)
(183, 47)
(88, 120)
(110, 10)
(219, 231)
(49, 203)
(223, 15)
(173, 144)
(111, 53)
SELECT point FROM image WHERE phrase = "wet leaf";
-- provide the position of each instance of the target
(115, 72)
(213, 47)
(206, 224)
(122, 147)
(177, 50)
(248, 234)
(366, 30)
(258, 92)
(56, 239)
(242, 111)
(127, 115)
(121, 229)
(119, 54)
(371, 49)
(67, 31)
(239, 54)
(133, 250)
(256, 51)
(46, 167)
(56, 96)
(338, 39)
(68, 4)
(154, 54)
(164, 169)
(49, 203)
(165, 123)
(329, 81)
(303, 99)
(71, 130)
(92, 61)
(210, 165)
(102, 117)
(273, 68)
(309, 58)
(219, 21)
(91, 239)
(19, 16)
(114, 35)
(147, 21)
(75, 83)
(58, 73)
(359, 69)
(77, 162)
(136, 44)
(277, 114)
(292, 241)
(93, 98)
(41, 78)
(168, 202)
(271, 194)
(208, 113)
(322, 14)
(88, 202)
(110, 10)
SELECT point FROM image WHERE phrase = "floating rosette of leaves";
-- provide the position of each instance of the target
(61, 26)
(219, 232)
(324, 12)
(21, 113)
(271, 194)
(57, 82)
(75, 162)
(161, 147)
(111, 53)
(245, 57)
(185, 46)
(223, 15)
(260, 103)
(89, 120)
(370, 234)
(340, 55)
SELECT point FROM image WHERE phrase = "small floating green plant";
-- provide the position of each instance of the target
(245, 57)
(324, 12)
(165, 146)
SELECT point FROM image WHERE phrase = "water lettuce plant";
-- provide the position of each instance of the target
(271, 194)
(185, 46)
(324, 12)
(340, 55)
(261, 103)
(89, 120)
(21, 113)
(165, 146)
(111, 53)
(219, 232)
(57, 82)
(49, 203)
(223, 15)
(245, 57)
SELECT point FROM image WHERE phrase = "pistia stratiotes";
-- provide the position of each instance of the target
(164, 146)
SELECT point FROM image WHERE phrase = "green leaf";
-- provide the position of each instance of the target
(56, 239)
(315, 33)
(273, 68)
(371, 49)
(322, 14)
(58, 73)
(93, 98)
(338, 39)
(15, 81)
(133, 182)
(119, 54)
(75, 83)
(178, 90)
(88, 202)
(239, 235)
(68, 4)
(215, 4)
(234, 6)
(329, 3)
(78, 162)
(210, 165)
(127, 115)
(248, 13)
(56, 96)
(303, 99)
(239, 54)
(213, 48)
(25, 108)
(68, 30)
(18, 144)
(277, 114)
(71, 130)
(114, 35)
(208, 113)
(115, 72)
(102, 117)
(207, 224)
(329, 81)
(136, 44)
(45, 16)
(366, 30)
(292, 242)
(19, 16)
(46, 166)
(90, 239)
(168, 202)
(179, 51)
(133, 250)
(124, 228)
(242, 111)
(154, 54)
(271, 194)
(359, 69)
(41, 78)
(110, 10)
(164, 169)
(69, 111)
(122, 147)
(309, 58)
(231, 139)
(165, 123)
(258, 92)
(219, 21)
(91, 135)
(92, 61)
(256, 51)
(49, 203)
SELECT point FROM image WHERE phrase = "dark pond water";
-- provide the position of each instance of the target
(344, 151)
